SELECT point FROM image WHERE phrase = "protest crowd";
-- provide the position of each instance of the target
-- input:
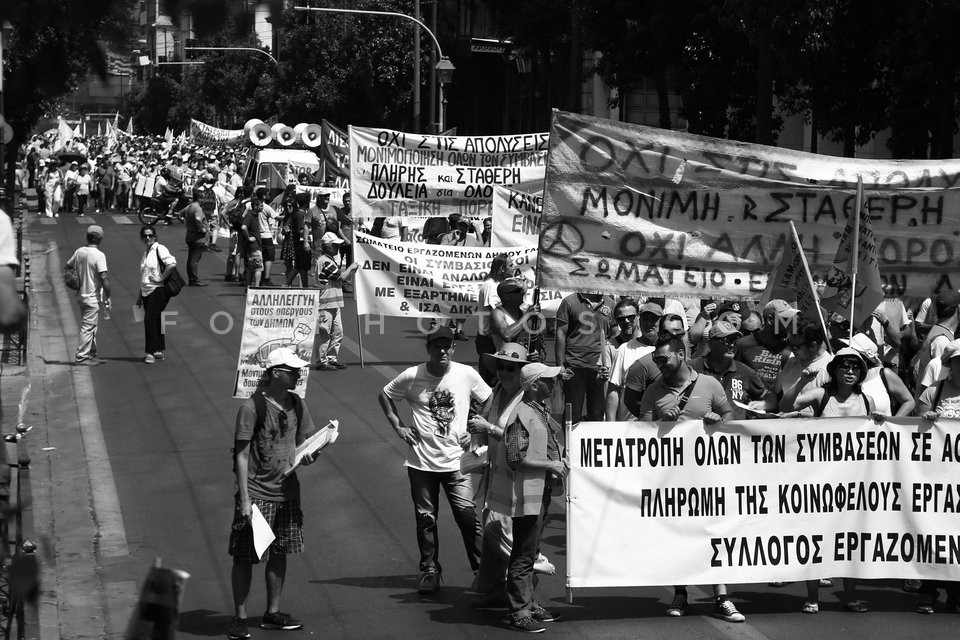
(613, 358)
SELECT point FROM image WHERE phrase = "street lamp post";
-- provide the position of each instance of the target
(448, 67)
(445, 71)
(272, 59)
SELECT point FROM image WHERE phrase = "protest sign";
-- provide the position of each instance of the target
(272, 319)
(206, 132)
(406, 174)
(411, 280)
(516, 217)
(637, 210)
(334, 155)
(762, 500)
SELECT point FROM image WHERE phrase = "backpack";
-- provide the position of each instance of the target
(234, 213)
(72, 279)
(260, 406)
(207, 200)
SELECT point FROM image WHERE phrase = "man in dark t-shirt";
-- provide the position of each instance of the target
(583, 324)
(766, 351)
(739, 382)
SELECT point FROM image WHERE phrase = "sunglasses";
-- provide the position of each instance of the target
(509, 368)
(627, 318)
(658, 360)
(728, 340)
(848, 366)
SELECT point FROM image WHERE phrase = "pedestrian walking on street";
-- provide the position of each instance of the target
(439, 393)
(330, 279)
(269, 427)
(90, 264)
(196, 222)
(156, 265)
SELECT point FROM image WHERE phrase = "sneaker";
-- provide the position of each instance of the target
(527, 625)
(679, 605)
(214, 248)
(429, 581)
(925, 607)
(150, 359)
(238, 629)
(911, 586)
(544, 566)
(267, 282)
(338, 364)
(725, 610)
(542, 615)
(88, 362)
(279, 620)
(158, 355)
(325, 366)
(461, 336)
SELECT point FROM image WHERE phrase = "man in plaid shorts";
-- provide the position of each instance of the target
(270, 425)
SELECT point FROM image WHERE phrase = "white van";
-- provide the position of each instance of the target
(269, 166)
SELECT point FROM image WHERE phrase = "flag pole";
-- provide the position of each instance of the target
(813, 288)
(858, 203)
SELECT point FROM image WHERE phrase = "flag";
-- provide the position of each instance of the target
(168, 140)
(116, 121)
(130, 125)
(64, 133)
(99, 129)
(855, 265)
(76, 131)
(791, 280)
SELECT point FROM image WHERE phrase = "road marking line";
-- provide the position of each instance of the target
(106, 502)
(84, 219)
(125, 220)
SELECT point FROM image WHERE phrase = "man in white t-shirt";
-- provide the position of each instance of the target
(439, 393)
(90, 264)
(487, 301)
(628, 353)
(11, 306)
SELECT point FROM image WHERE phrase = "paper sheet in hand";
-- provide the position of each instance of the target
(762, 414)
(137, 313)
(262, 533)
(318, 441)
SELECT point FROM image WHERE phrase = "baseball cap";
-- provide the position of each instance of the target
(722, 329)
(285, 357)
(780, 308)
(945, 300)
(731, 306)
(536, 370)
(95, 229)
(951, 351)
(508, 285)
(440, 333)
(331, 238)
(651, 307)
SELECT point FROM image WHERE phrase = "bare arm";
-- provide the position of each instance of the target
(407, 434)
(241, 459)
(808, 398)
(560, 344)
(899, 393)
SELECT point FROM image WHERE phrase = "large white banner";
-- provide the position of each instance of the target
(208, 132)
(516, 217)
(636, 210)
(762, 500)
(275, 318)
(411, 280)
(394, 173)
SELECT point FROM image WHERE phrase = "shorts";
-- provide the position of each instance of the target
(302, 260)
(286, 520)
(255, 260)
(269, 250)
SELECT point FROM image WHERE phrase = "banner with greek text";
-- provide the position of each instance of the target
(402, 174)
(762, 500)
(335, 155)
(411, 280)
(213, 134)
(516, 215)
(274, 319)
(637, 210)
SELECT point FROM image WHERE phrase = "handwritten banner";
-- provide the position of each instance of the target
(335, 154)
(412, 280)
(516, 214)
(207, 132)
(274, 319)
(763, 500)
(637, 210)
(401, 174)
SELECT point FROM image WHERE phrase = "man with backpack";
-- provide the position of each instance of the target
(207, 199)
(270, 425)
(233, 214)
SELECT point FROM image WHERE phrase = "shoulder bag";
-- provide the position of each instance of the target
(174, 282)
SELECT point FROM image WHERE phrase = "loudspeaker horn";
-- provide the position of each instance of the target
(260, 135)
(312, 136)
(285, 136)
(251, 123)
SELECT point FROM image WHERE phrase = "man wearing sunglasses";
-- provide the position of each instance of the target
(740, 382)
(439, 393)
(269, 427)
(641, 340)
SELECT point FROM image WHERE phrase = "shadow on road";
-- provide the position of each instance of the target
(203, 622)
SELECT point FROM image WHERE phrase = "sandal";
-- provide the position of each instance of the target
(811, 607)
(826, 582)
(856, 606)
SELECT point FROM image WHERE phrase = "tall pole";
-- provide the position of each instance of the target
(432, 111)
(416, 69)
(3, 141)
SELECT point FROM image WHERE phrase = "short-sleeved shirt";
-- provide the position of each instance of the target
(766, 359)
(154, 261)
(251, 221)
(949, 403)
(331, 289)
(440, 406)
(627, 354)
(8, 247)
(487, 301)
(707, 395)
(322, 221)
(89, 262)
(196, 223)
(272, 449)
(641, 374)
(739, 382)
(899, 318)
(587, 323)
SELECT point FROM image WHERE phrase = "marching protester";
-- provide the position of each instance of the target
(84, 184)
(680, 393)
(583, 322)
(511, 320)
(487, 301)
(531, 449)
(799, 374)
(766, 351)
(330, 279)
(90, 265)
(267, 223)
(740, 383)
(926, 368)
(887, 392)
(269, 427)
(641, 338)
(156, 265)
(644, 371)
(299, 229)
(250, 238)
(439, 393)
(345, 219)
(233, 214)
(196, 238)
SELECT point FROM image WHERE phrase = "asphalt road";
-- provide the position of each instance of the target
(167, 430)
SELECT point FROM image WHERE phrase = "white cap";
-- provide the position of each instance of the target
(285, 357)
